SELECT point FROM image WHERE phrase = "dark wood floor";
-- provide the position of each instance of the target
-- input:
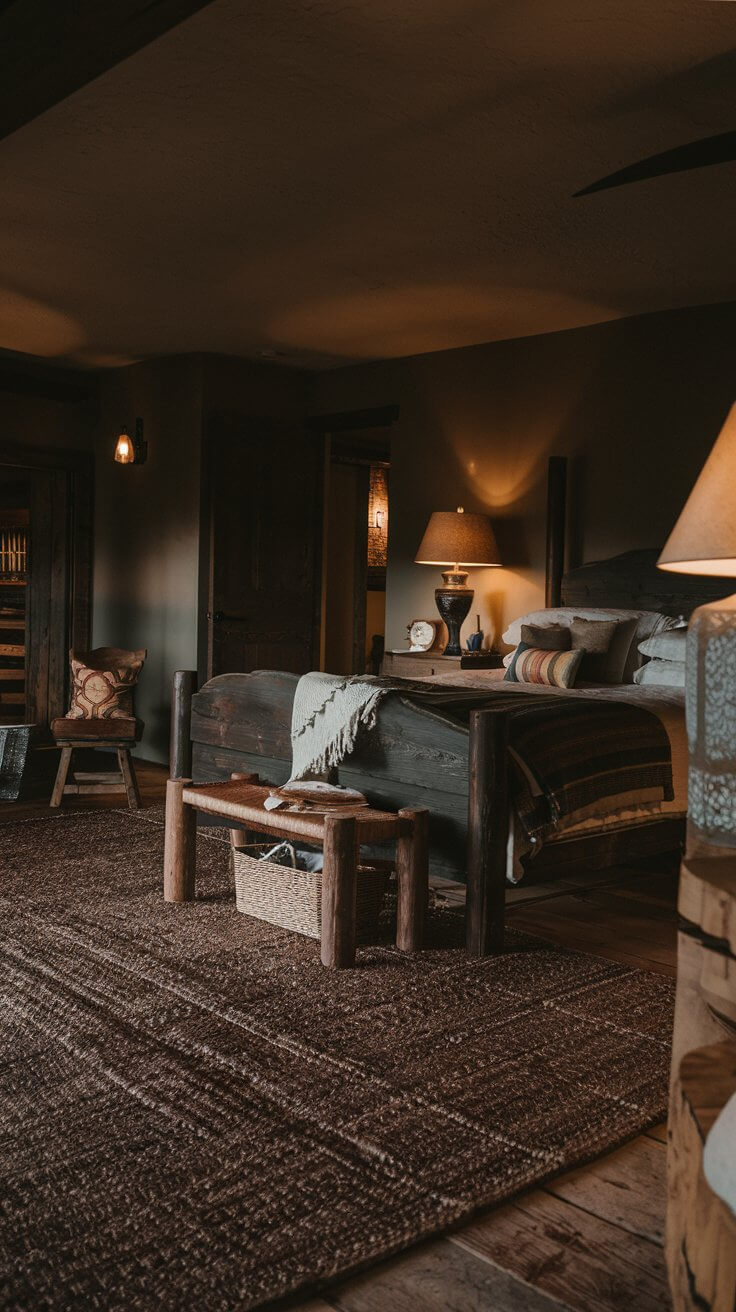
(590, 1240)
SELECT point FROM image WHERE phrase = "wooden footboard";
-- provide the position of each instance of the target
(414, 757)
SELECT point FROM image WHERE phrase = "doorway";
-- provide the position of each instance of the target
(355, 552)
(262, 523)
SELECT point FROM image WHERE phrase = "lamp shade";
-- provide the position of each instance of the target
(703, 540)
(454, 538)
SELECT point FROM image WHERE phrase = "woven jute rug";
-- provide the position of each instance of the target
(195, 1114)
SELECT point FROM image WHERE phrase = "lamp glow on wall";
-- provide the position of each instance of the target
(456, 540)
(703, 541)
(131, 450)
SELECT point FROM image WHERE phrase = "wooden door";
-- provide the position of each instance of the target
(265, 484)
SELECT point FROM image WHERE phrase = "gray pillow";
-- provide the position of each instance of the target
(606, 644)
(668, 646)
(665, 673)
(546, 637)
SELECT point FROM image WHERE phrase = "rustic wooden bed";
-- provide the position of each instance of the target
(421, 757)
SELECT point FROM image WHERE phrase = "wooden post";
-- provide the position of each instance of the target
(242, 837)
(338, 891)
(556, 495)
(184, 686)
(180, 844)
(488, 831)
(412, 871)
(705, 1004)
(701, 1229)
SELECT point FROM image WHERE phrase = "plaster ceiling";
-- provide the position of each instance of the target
(371, 178)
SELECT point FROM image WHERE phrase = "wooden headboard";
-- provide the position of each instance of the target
(632, 580)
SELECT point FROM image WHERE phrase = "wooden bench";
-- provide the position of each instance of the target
(341, 835)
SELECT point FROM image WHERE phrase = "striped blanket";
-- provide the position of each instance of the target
(581, 755)
(568, 754)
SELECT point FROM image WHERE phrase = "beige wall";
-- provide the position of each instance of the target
(634, 404)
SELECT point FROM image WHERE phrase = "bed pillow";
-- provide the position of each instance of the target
(606, 644)
(649, 622)
(665, 674)
(666, 646)
(547, 637)
(553, 669)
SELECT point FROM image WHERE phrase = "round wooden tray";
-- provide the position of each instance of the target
(320, 799)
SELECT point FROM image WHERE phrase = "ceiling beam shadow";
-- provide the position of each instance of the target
(720, 149)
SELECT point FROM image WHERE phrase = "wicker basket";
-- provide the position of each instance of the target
(292, 899)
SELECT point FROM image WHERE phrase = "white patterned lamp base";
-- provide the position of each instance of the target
(711, 721)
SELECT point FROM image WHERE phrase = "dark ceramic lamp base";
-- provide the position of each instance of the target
(453, 604)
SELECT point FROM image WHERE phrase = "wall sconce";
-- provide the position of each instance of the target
(131, 450)
(379, 519)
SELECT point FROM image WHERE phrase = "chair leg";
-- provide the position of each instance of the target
(61, 776)
(127, 770)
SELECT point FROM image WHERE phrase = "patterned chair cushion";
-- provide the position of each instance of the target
(103, 682)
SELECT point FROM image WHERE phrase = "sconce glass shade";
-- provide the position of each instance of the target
(703, 541)
(124, 452)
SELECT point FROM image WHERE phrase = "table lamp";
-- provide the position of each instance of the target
(703, 541)
(452, 537)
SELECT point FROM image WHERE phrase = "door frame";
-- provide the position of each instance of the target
(345, 443)
(71, 564)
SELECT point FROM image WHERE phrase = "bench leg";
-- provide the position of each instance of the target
(412, 872)
(180, 844)
(61, 776)
(127, 770)
(338, 891)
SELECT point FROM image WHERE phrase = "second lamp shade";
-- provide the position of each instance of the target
(454, 538)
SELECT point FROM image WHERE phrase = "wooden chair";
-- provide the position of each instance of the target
(113, 734)
(71, 734)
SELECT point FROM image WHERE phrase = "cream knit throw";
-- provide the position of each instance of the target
(327, 714)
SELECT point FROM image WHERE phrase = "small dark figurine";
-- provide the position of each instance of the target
(475, 641)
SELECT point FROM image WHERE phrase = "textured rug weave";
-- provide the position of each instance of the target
(195, 1114)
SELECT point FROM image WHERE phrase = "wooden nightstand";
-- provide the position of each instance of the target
(422, 664)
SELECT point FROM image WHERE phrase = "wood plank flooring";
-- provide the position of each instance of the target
(590, 1240)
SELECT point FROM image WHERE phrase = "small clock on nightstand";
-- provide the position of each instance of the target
(424, 635)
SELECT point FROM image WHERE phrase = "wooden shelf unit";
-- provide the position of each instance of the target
(14, 553)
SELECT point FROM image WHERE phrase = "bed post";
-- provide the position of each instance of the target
(555, 560)
(488, 831)
(180, 744)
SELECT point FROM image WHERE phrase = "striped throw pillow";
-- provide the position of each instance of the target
(553, 669)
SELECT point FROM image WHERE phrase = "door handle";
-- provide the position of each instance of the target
(218, 616)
